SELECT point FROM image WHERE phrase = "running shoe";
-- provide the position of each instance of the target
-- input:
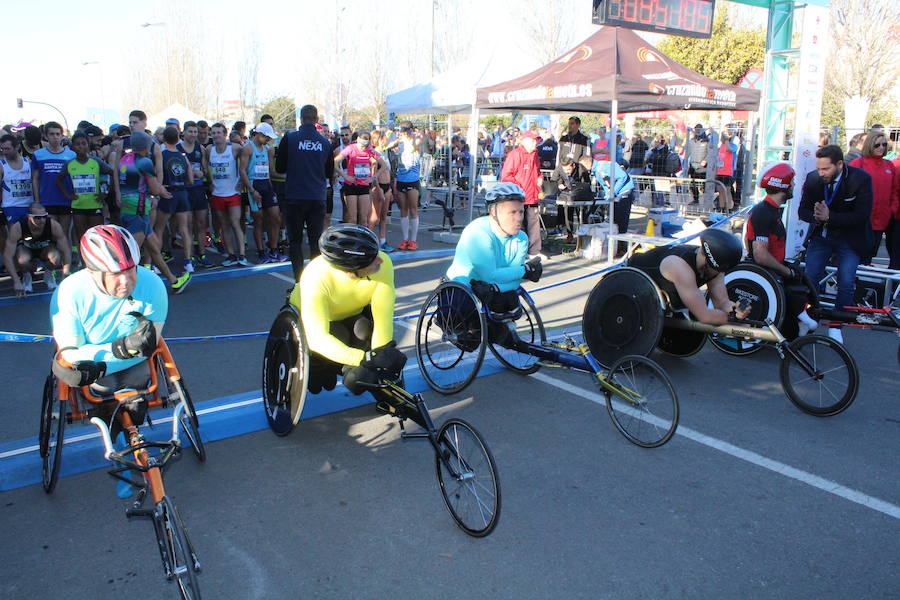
(404, 245)
(220, 246)
(230, 261)
(387, 247)
(282, 257)
(242, 260)
(181, 283)
(167, 256)
(50, 280)
(263, 258)
(145, 265)
(204, 262)
(26, 282)
(412, 245)
(188, 265)
(156, 270)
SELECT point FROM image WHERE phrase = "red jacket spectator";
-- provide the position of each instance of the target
(524, 169)
(885, 189)
(896, 163)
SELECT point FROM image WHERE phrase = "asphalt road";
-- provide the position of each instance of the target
(751, 498)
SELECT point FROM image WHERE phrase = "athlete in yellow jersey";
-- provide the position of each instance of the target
(346, 301)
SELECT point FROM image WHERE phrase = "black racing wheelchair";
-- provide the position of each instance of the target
(464, 465)
(633, 315)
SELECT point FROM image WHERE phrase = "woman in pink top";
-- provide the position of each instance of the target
(360, 174)
(885, 193)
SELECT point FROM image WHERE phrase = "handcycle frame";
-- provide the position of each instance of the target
(566, 354)
(174, 543)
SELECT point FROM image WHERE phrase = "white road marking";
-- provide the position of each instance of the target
(826, 485)
(283, 277)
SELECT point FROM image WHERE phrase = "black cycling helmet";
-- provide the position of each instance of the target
(503, 191)
(722, 249)
(348, 247)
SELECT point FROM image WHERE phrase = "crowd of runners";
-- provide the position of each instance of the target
(189, 188)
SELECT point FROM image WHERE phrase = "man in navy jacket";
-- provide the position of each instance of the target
(304, 156)
(836, 201)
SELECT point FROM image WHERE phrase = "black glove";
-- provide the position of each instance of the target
(83, 372)
(386, 358)
(533, 269)
(796, 273)
(140, 342)
(354, 376)
(484, 291)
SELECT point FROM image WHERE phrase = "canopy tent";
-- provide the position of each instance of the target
(453, 90)
(174, 111)
(615, 70)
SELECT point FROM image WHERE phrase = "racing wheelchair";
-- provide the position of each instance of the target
(455, 328)
(464, 466)
(67, 403)
(633, 315)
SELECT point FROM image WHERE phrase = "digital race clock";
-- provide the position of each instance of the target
(692, 18)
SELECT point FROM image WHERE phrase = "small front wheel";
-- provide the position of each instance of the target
(50, 435)
(828, 381)
(641, 401)
(468, 478)
(179, 560)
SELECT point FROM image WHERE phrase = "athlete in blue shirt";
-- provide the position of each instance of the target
(490, 258)
(92, 310)
(46, 164)
(492, 248)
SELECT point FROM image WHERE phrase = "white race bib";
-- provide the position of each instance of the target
(84, 183)
(362, 170)
(261, 170)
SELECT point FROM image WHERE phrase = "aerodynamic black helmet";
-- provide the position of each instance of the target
(348, 247)
(722, 249)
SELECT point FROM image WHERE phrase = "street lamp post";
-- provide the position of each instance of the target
(102, 95)
(168, 69)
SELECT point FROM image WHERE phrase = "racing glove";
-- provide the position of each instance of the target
(83, 372)
(355, 377)
(533, 269)
(140, 342)
(484, 291)
(386, 358)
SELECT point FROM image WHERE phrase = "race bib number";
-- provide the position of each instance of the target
(219, 170)
(197, 168)
(84, 183)
(362, 170)
(261, 170)
(20, 188)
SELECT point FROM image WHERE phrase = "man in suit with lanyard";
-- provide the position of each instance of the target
(836, 201)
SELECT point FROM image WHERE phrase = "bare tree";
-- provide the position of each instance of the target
(864, 58)
(248, 75)
(547, 24)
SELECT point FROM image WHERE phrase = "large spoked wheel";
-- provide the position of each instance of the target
(285, 372)
(468, 478)
(179, 560)
(832, 386)
(450, 338)
(529, 328)
(190, 423)
(642, 404)
(50, 435)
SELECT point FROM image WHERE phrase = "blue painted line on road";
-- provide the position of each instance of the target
(220, 418)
